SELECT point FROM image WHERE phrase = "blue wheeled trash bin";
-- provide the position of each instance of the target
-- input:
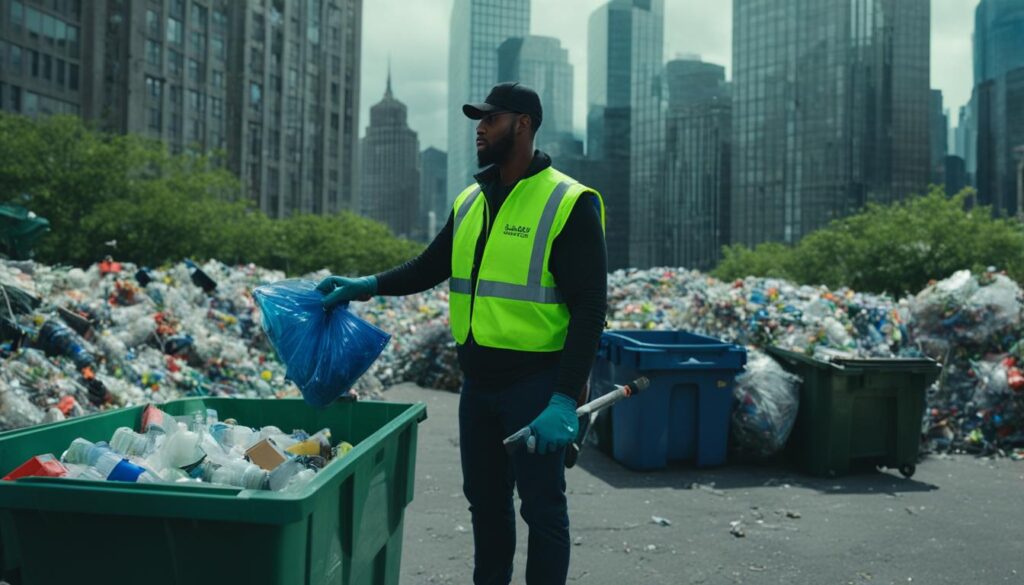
(684, 414)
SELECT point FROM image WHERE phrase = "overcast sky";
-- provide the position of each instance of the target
(414, 33)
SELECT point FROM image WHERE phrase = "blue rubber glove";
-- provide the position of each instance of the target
(557, 425)
(340, 289)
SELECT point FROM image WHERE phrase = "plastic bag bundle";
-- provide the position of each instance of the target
(325, 353)
(965, 309)
(767, 399)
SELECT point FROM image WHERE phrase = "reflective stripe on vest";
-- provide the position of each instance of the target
(532, 291)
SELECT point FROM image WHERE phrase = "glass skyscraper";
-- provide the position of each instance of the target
(997, 104)
(830, 111)
(938, 128)
(478, 28)
(697, 163)
(998, 38)
(625, 123)
(543, 65)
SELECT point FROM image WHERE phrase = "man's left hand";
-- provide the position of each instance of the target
(557, 425)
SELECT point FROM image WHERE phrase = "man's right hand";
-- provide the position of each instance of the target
(340, 289)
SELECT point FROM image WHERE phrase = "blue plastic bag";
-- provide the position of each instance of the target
(325, 353)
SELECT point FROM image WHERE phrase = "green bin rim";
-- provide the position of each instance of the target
(23, 493)
(855, 365)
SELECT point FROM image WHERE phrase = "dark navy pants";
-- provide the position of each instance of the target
(488, 414)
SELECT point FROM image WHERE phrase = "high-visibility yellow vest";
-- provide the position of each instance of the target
(516, 305)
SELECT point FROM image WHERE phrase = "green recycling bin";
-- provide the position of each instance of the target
(858, 411)
(344, 527)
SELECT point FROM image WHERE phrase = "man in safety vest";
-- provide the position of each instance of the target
(524, 255)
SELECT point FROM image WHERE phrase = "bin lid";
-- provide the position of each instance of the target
(858, 363)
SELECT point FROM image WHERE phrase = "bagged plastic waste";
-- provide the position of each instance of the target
(325, 352)
(767, 401)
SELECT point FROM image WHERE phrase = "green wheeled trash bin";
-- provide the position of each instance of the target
(858, 411)
(344, 527)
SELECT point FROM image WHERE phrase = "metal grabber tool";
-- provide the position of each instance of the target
(587, 415)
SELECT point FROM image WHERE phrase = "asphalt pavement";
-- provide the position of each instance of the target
(959, 520)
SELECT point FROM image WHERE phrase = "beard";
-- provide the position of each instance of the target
(497, 152)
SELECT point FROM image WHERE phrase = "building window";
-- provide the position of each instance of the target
(258, 27)
(47, 68)
(49, 29)
(198, 43)
(61, 72)
(154, 118)
(72, 36)
(255, 139)
(218, 79)
(255, 96)
(35, 63)
(153, 23)
(175, 124)
(31, 104)
(220, 20)
(199, 16)
(62, 34)
(216, 107)
(17, 14)
(174, 31)
(73, 77)
(153, 56)
(175, 94)
(195, 71)
(195, 101)
(16, 59)
(175, 61)
(217, 45)
(178, 8)
(154, 87)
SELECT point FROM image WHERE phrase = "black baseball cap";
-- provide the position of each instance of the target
(510, 96)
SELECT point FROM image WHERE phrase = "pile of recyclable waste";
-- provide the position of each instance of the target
(75, 341)
(422, 349)
(197, 448)
(761, 312)
(972, 325)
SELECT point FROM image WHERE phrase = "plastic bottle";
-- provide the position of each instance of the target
(56, 339)
(299, 480)
(115, 468)
(83, 452)
(238, 473)
(180, 450)
(127, 442)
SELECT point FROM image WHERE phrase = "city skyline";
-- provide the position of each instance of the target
(692, 28)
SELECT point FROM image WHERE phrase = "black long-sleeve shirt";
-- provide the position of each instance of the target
(578, 263)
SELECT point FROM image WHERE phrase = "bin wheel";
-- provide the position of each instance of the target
(908, 471)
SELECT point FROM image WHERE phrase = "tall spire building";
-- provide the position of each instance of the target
(391, 168)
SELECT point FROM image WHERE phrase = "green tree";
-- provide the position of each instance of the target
(96, 188)
(894, 248)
